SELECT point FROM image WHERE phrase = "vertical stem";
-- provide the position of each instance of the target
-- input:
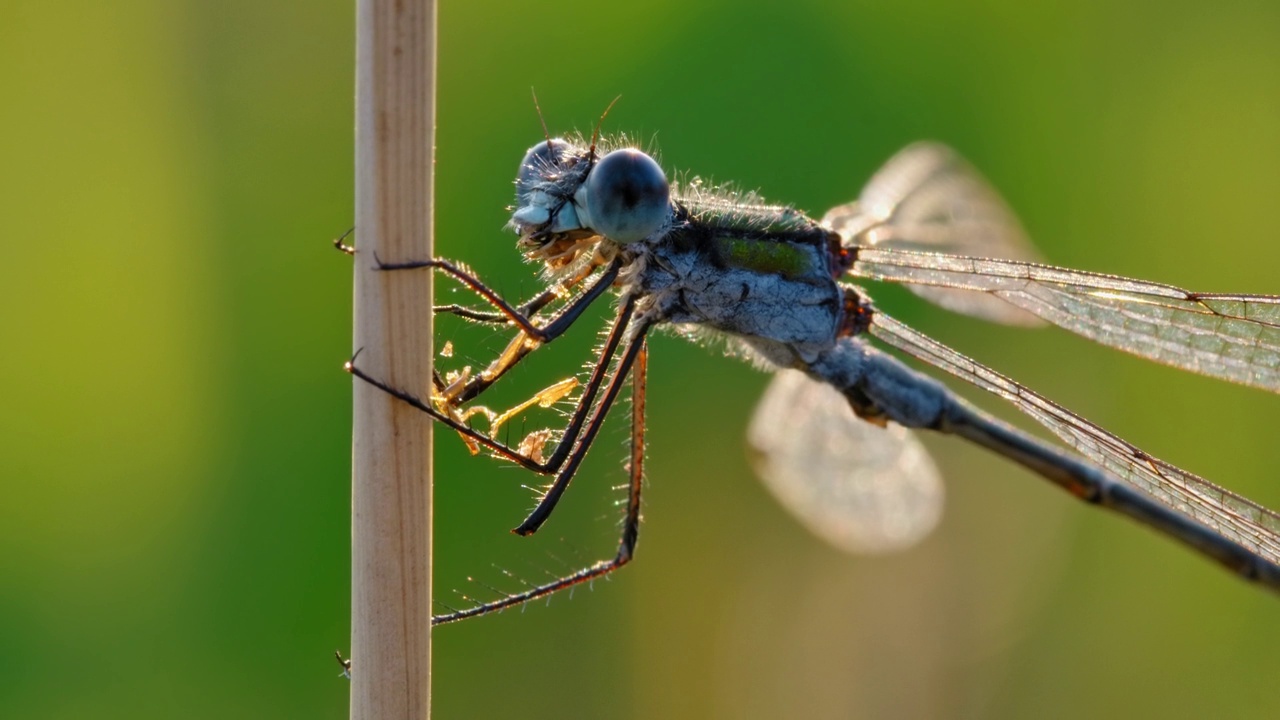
(391, 464)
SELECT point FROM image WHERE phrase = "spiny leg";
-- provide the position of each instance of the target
(531, 337)
(574, 459)
(543, 335)
(525, 342)
(496, 447)
(530, 307)
(520, 317)
(451, 394)
(570, 435)
(527, 309)
(569, 438)
(630, 523)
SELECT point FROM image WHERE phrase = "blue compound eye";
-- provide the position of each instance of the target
(627, 197)
(542, 161)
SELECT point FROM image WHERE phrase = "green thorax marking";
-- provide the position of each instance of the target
(745, 233)
(767, 256)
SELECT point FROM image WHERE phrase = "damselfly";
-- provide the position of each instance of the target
(832, 435)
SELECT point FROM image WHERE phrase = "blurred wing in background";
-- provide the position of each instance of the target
(861, 487)
(928, 198)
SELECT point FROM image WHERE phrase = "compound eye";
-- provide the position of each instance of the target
(627, 196)
(539, 165)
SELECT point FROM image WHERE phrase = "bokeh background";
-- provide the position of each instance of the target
(174, 440)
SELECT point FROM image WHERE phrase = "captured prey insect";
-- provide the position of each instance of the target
(832, 435)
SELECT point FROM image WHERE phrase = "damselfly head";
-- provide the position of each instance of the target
(566, 191)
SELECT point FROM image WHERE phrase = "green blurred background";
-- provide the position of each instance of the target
(175, 438)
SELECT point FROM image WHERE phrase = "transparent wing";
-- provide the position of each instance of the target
(1234, 337)
(1244, 522)
(928, 198)
(863, 488)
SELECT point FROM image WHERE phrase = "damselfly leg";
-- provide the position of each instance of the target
(630, 522)
(450, 395)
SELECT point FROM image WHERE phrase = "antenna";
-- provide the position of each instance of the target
(591, 152)
(545, 132)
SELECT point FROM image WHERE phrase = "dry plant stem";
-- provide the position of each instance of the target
(391, 490)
